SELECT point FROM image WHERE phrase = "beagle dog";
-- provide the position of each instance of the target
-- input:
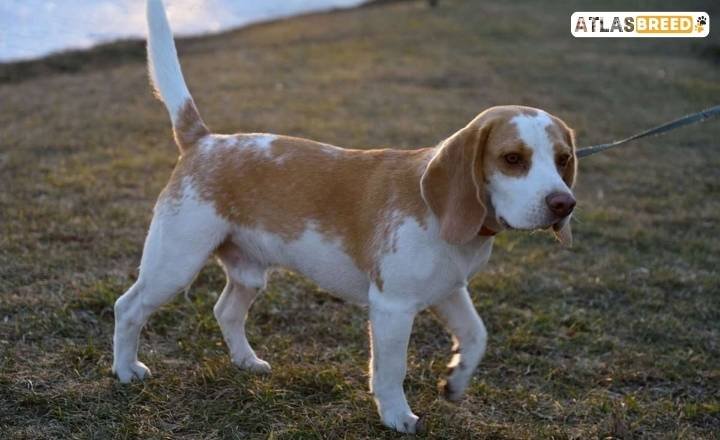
(397, 231)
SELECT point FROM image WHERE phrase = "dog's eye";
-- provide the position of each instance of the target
(563, 160)
(513, 158)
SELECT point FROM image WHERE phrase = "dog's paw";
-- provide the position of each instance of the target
(134, 370)
(253, 364)
(449, 391)
(407, 423)
(458, 378)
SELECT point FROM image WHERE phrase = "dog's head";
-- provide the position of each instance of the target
(511, 167)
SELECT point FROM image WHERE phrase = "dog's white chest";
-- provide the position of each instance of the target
(424, 269)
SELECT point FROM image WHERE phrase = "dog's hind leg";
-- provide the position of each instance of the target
(458, 314)
(231, 313)
(245, 278)
(180, 240)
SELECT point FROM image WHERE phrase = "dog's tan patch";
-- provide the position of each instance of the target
(189, 127)
(351, 195)
(563, 140)
(504, 139)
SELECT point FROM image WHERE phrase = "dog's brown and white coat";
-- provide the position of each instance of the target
(397, 231)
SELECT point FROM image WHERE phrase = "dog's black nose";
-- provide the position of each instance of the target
(560, 203)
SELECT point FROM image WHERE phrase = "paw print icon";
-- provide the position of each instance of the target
(700, 23)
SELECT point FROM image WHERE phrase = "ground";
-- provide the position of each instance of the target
(615, 337)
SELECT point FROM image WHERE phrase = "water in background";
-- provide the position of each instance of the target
(33, 28)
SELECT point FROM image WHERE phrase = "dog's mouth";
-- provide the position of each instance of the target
(498, 222)
(556, 225)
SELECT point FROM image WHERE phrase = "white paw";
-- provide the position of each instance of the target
(405, 422)
(452, 390)
(254, 365)
(134, 370)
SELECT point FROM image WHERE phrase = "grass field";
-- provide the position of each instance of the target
(617, 337)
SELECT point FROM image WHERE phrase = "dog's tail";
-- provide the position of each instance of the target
(167, 79)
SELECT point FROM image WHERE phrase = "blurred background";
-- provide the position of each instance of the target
(617, 337)
(33, 28)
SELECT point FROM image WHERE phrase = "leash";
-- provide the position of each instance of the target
(664, 128)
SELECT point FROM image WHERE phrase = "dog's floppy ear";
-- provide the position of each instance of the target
(563, 230)
(452, 187)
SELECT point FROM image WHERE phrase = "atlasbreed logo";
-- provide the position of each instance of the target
(640, 24)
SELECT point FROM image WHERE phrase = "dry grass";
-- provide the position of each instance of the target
(615, 337)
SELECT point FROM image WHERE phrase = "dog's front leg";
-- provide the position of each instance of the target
(458, 314)
(390, 326)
